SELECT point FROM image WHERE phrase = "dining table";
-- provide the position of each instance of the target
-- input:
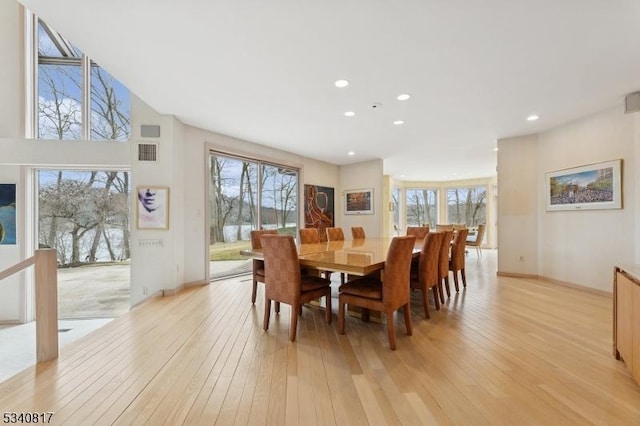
(354, 257)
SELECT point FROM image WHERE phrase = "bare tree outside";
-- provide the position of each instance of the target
(421, 207)
(467, 205)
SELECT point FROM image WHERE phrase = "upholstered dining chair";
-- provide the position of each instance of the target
(258, 265)
(309, 235)
(387, 295)
(477, 242)
(336, 234)
(312, 236)
(285, 284)
(443, 227)
(456, 263)
(418, 231)
(443, 265)
(357, 232)
(427, 275)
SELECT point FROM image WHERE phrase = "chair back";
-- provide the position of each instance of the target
(457, 226)
(428, 273)
(418, 231)
(457, 249)
(309, 236)
(255, 237)
(480, 233)
(281, 267)
(443, 266)
(357, 232)
(397, 268)
(443, 227)
(335, 234)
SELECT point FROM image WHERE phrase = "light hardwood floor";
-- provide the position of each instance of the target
(503, 351)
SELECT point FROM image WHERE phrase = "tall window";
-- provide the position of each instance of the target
(247, 194)
(76, 98)
(467, 205)
(395, 201)
(422, 207)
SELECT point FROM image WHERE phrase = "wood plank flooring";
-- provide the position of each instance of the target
(502, 351)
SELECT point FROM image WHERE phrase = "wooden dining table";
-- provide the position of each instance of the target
(354, 257)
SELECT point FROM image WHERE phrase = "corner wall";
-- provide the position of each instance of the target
(574, 247)
(368, 174)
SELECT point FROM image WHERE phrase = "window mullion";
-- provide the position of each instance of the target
(86, 97)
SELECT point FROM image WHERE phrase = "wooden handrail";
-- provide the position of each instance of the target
(46, 281)
(17, 267)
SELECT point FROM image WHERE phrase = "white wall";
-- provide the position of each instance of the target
(577, 247)
(11, 72)
(368, 174)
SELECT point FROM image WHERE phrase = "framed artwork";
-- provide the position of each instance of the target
(588, 187)
(8, 214)
(153, 207)
(318, 209)
(358, 201)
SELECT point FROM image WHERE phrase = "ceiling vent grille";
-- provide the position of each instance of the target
(148, 152)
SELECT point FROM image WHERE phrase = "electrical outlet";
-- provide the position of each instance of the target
(145, 290)
(521, 259)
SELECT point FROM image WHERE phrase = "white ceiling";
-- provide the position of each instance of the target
(263, 71)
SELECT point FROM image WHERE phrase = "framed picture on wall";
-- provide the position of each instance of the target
(588, 187)
(153, 207)
(358, 201)
(8, 214)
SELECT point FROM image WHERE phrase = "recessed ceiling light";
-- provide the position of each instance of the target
(351, 153)
(398, 122)
(349, 113)
(403, 97)
(533, 117)
(341, 83)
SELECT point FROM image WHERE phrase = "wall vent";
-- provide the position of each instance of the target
(147, 152)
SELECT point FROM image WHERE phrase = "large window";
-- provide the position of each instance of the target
(467, 205)
(247, 194)
(422, 207)
(76, 99)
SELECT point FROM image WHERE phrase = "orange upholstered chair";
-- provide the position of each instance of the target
(387, 295)
(444, 227)
(418, 231)
(258, 265)
(309, 236)
(427, 274)
(357, 232)
(336, 234)
(456, 263)
(284, 282)
(443, 265)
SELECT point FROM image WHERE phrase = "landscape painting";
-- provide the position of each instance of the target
(594, 186)
(358, 201)
(7, 213)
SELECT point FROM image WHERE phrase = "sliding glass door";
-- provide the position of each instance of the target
(246, 194)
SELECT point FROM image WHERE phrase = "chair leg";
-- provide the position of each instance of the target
(440, 292)
(253, 292)
(425, 302)
(391, 330)
(327, 313)
(407, 319)
(341, 277)
(436, 297)
(294, 322)
(446, 285)
(277, 307)
(365, 314)
(464, 278)
(340, 317)
(267, 313)
(455, 281)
